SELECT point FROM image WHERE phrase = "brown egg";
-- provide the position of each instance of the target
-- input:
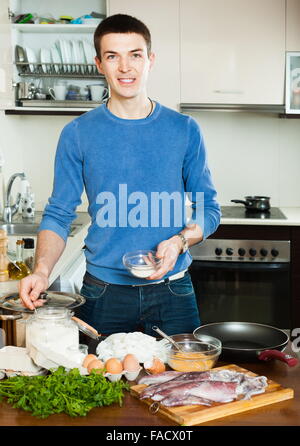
(96, 364)
(114, 366)
(88, 359)
(130, 363)
(157, 366)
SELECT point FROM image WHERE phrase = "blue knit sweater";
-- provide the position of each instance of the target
(135, 173)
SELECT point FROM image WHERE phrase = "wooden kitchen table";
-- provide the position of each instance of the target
(135, 413)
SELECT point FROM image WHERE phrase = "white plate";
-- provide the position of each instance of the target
(77, 54)
(56, 59)
(31, 57)
(89, 54)
(62, 50)
(82, 55)
(68, 53)
(45, 58)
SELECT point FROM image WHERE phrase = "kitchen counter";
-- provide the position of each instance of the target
(135, 413)
(292, 214)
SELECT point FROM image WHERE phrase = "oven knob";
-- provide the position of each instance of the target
(252, 252)
(263, 252)
(229, 251)
(241, 252)
(274, 252)
(218, 251)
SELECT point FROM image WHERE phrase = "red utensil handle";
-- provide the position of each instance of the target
(276, 354)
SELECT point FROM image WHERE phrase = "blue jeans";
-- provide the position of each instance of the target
(171, 305)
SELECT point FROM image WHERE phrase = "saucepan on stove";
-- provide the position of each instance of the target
(255, 203)
(248, 341)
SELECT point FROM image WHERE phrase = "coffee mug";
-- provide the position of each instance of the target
(98, 92)
(58, 92)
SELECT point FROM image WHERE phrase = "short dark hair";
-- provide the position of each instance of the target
(121, 23)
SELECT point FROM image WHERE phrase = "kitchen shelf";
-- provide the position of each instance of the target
(46, 111)
(80, 71)
(54, 28)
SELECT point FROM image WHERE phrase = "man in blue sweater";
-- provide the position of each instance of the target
(138, 162)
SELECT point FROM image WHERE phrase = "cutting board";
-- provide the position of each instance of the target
(197, 414)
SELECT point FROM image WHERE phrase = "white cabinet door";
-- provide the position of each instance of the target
(162, 19)
(232, 51)
(6, 90)
(293, 25)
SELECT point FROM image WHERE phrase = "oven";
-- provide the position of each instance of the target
(243, 280)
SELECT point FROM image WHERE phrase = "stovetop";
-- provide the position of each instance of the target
(241, 212)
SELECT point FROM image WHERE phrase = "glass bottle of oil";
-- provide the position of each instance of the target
(19, 269)
(3, 257)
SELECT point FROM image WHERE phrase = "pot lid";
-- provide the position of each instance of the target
(13, 302)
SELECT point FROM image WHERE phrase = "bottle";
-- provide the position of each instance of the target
(3, 257)
(19, 269)
(28, 253)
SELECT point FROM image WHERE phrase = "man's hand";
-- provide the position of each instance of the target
(30, 289)
(168, 251)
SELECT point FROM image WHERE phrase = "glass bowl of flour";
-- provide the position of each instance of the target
(141, 263)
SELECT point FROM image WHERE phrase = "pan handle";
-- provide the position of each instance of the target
(276, 354)
(241, 201)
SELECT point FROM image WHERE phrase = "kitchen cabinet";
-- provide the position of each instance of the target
(292, 25)
(44, 71)
(232, 52)
(162, 19)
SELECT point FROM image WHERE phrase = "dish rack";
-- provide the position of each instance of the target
(52, 69)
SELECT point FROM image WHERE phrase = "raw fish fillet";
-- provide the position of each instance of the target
(252, 386)
(186, 400)
(159, 377)
(219, 391)
(174, 382)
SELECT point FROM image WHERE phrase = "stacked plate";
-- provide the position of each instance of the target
(64, 57)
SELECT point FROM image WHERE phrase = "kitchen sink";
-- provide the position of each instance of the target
(18, 229)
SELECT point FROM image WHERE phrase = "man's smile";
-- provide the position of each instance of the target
(126, 80)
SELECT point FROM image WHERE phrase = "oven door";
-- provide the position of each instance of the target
(245, 292)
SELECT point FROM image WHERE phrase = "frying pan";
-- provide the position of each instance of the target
(248, 341)
(255, 203)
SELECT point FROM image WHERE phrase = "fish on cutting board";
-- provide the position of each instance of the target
(220, 386)
(252, 391)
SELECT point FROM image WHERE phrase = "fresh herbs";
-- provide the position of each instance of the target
(61, 391)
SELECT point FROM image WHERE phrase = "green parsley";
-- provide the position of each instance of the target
(61, 391)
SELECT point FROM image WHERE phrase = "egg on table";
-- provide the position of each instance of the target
(88, 359)
(155, 366)
(96, 364)
(130, 363)
(113, 366)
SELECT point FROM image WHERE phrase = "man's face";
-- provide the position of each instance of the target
(125, 63)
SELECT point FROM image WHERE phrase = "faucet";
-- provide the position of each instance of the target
(9, 211)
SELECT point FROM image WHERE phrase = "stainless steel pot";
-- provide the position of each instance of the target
(255, 203)
(25, 90)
